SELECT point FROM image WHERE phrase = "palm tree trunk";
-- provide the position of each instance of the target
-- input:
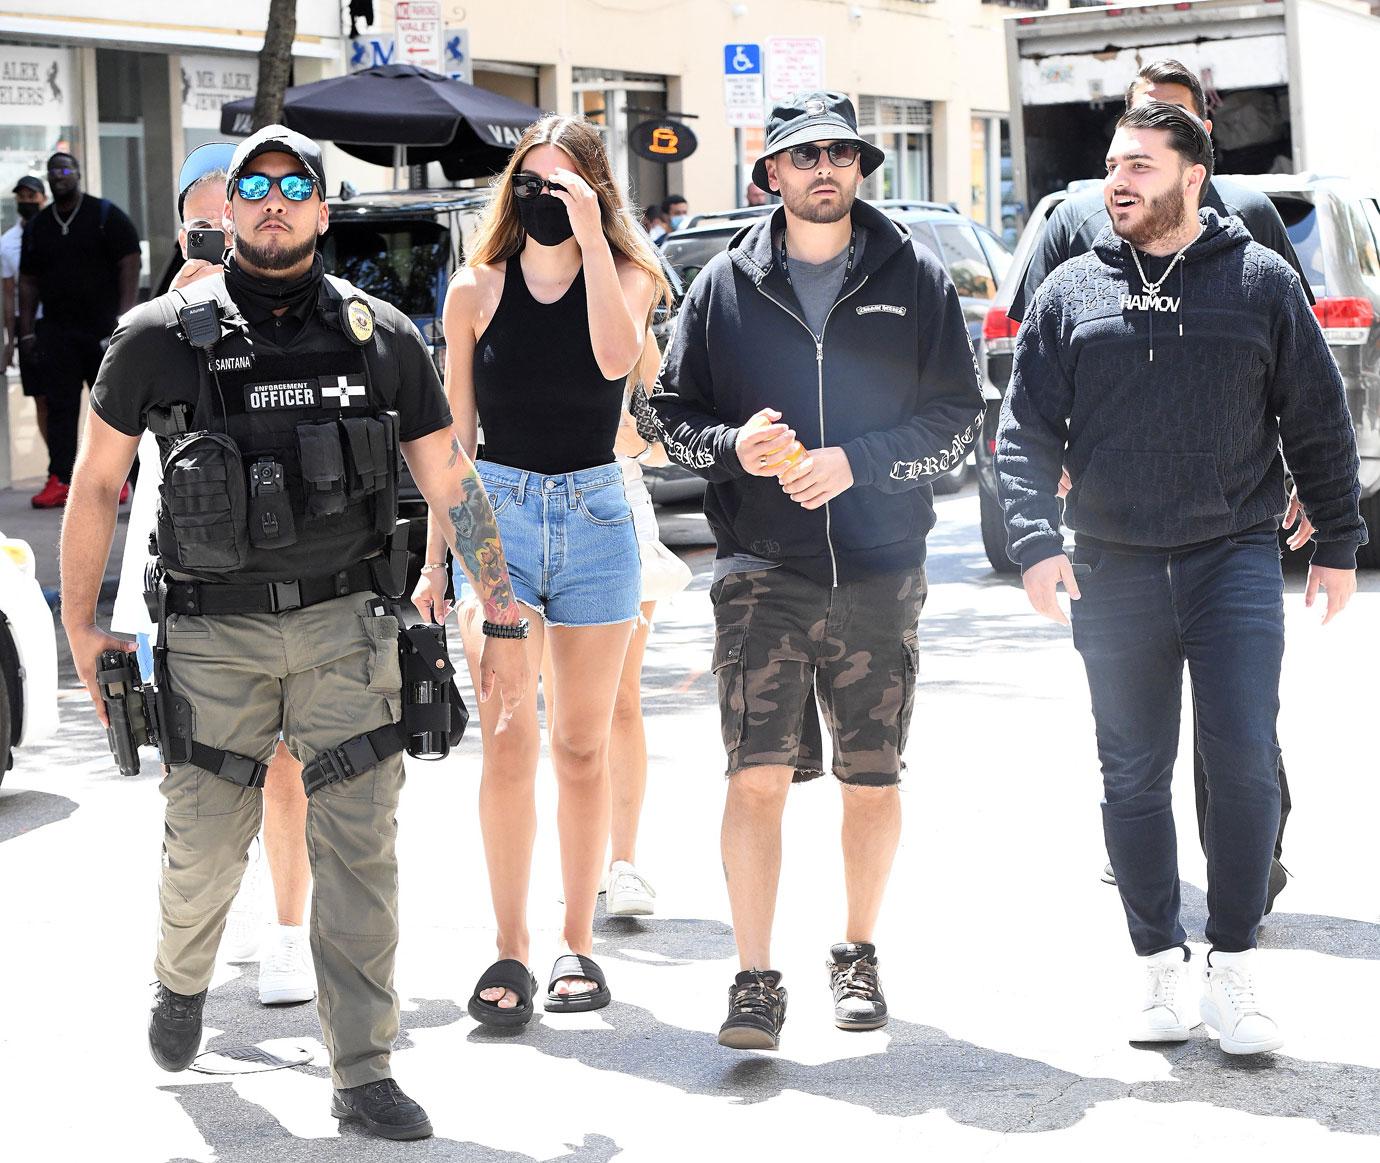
(275, 62)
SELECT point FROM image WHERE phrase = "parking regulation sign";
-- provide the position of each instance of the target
(795, 64)
(417, 30)
(743, 84)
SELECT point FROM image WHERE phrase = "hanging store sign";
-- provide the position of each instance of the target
(662, 140)
(37, 86)
(208, 82)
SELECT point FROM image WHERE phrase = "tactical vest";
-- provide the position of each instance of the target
(288, 465)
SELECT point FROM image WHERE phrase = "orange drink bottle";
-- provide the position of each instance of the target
(793, 455)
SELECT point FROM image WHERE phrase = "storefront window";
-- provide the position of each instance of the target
(119, 99)
(207, 83)
(901, 126)
(615, 101)
(992, 199)
(40, 103)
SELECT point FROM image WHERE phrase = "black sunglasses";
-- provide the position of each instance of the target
(528, 185)
(841, 153)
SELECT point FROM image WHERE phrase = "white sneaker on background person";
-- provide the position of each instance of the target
(285, 969)
(1163, 1018)
(244, 926)
(629, 893)
(1229, 1005)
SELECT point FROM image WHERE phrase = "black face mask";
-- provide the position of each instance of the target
(545, 219)
(27, 210)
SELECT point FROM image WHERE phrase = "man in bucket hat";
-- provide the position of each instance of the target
(839, 384)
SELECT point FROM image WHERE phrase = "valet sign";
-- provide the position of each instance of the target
(417, 33)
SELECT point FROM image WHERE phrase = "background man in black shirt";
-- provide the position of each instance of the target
(81, 261)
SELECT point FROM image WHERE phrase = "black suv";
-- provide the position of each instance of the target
(1334, 225)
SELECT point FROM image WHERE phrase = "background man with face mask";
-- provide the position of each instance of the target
(29, 199)
(1165, 368)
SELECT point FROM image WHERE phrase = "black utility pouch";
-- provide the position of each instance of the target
(434, 714)
(323, 469)
(271, 523)
(204, 504)
(368, 459)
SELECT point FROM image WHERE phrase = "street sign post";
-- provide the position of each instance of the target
(417, 30)
(743, 85)
(795, 64)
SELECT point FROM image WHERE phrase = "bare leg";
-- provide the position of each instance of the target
(871, 833)
(751, 845)
(507, 804)
(587, 661)
(628, 746)
(285, 836)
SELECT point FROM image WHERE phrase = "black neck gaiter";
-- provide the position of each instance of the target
(259, 297)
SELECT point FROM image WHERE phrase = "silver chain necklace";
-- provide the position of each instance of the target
(76, 209)
(1147, 286)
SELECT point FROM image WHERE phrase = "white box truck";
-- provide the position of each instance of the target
(1289, 84)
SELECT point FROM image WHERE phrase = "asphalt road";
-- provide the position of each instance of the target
(1006, 962)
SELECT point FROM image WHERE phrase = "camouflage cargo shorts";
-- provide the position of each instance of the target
(785, 645)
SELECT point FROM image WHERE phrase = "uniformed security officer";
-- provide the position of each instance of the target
(281, 397)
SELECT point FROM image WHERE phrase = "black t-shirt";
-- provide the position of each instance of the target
(1076, 222)
(78, 272)
(149, 366)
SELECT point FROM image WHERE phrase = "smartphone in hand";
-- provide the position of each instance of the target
(206, 244)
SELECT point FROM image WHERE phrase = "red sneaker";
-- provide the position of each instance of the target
(53, 495)
(124, 492)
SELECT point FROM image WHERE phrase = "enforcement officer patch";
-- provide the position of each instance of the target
(282, 394)
(358, 319)
(343, 390)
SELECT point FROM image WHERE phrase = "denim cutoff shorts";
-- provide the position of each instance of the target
(569, 541)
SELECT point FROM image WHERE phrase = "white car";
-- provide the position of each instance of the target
(28, 654)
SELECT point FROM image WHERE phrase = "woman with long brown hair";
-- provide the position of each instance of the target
(542, 327)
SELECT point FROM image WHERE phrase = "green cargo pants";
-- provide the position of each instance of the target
(319, 676)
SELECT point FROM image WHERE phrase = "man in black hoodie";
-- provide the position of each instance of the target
(1072, 229)
(1165, 368)
(823, 321)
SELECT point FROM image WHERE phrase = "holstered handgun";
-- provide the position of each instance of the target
(129, 707)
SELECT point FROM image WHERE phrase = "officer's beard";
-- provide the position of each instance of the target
(275, 258)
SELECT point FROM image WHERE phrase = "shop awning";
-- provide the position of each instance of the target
(400, 114)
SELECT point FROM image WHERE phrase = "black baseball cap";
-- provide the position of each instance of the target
(278, 139)
(814, 116)
(29, 182)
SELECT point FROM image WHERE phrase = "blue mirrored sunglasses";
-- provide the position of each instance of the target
(255, 187)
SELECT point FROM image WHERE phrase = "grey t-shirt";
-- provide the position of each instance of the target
(817, 285)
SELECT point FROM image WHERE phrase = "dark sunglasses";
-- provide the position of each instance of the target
(255, 187)
(528, 185)
(62, 171)
(841, 153)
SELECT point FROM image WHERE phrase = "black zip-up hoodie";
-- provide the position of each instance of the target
(891, 381)
(1169, 409)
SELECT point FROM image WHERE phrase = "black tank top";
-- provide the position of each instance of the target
(543, 403)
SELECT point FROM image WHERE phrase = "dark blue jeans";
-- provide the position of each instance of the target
(1219, 608)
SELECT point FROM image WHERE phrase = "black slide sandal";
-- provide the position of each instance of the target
(577, 965)
(509, 974)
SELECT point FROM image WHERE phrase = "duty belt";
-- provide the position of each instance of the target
(194, 597)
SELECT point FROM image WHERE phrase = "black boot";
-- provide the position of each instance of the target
(382, 1109)
(175, 1027)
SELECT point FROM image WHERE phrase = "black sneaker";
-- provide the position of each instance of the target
(1279, 877)
(382, 1109)
(756, 1011)
(175, 1027)
(858, 1000)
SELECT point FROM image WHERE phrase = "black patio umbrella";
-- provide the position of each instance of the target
(400, 114)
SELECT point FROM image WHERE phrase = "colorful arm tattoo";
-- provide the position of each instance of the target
(477, 544)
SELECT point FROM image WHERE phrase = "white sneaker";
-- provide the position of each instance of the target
(285, 971)
(244, 926)
(1163, 1018)
(1229, 1006)
(629, 894)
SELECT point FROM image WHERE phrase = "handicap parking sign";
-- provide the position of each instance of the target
(742, 60)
